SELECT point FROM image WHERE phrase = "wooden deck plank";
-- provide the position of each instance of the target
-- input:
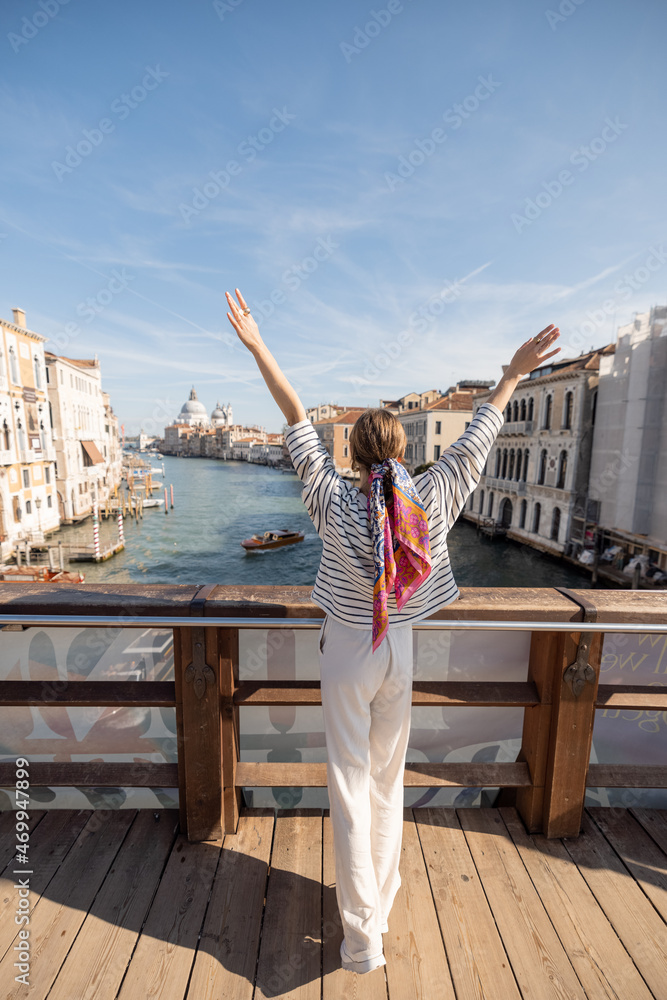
(639, 926)
(50, 841)
(58, 913)
(339, 983)
(638, 851)
(654, 822)
(96, 963)
(8, 830)
(161, 963)
(539, 961)
(477, 959)
(227, 954)
(599, 959)
(416, 962)
(291, 947)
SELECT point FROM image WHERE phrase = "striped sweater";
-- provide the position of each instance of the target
(344, 583)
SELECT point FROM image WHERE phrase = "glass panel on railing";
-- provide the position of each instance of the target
(631, 736)
(49, 732)
(296, 734)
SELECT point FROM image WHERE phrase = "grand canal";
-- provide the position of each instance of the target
(217, 504)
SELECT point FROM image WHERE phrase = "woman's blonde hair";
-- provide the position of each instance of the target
(376, 435)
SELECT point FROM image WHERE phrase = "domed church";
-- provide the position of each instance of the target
(193, 412)
(222, 416)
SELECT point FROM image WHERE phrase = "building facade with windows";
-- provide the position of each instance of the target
(28, 508)
(536, 477)
(434, 425)
(334, 433)
(628, 476)
(85, 432)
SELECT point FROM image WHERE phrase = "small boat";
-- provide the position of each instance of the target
(272, 540)
(153, 502)
(39, 574)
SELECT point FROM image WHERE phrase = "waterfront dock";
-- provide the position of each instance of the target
(535, 898)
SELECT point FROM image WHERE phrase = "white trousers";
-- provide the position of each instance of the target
(366, 700)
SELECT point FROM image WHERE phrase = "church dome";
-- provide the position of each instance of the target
(192, 411)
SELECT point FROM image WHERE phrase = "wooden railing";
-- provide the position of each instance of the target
(560, 695)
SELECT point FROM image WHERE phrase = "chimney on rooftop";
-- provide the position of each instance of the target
(19, 317)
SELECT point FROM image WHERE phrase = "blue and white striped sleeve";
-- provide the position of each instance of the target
(458, 471)
(315, 468)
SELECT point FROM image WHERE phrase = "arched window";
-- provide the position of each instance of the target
(515, 410)
(14, 366)
(21, 430)
(42, 434)
(543, 466)
(526, 455)
(524, 508)
(490, 510)
(508, 412)
(536, 519)
(530, 408)
(547, 413)
(562, 470)
(504, 473)
(498, 457)
(6, 438)
(518, 464)
(510, 472)
(481, 503)
(38, 374)
(555, 524)
(567, 415)
(523, 410)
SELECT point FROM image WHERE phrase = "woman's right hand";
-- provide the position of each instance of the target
(245, 326)
(531, 354)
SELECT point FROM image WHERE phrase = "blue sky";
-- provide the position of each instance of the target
(419, 186)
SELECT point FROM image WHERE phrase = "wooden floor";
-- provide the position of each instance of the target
(123, 906)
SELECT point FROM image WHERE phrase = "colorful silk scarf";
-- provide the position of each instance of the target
(400, 537)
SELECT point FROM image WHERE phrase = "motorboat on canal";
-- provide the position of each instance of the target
(272, 540)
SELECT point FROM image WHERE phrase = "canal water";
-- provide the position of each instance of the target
(217, 504)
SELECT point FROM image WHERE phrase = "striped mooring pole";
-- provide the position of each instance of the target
(96, 531)
(121, 533)
(171, 490)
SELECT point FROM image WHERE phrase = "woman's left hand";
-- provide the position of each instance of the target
(245, 326)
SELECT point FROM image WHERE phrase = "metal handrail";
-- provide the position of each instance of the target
(156, 621)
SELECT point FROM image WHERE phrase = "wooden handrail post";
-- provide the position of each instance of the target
(546, 656)
(228, 648)
(572, 721)
(200, 744)
(179, 640)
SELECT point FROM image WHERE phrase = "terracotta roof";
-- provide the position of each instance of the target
(451, 403)
(81, 362)
(349, 417)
